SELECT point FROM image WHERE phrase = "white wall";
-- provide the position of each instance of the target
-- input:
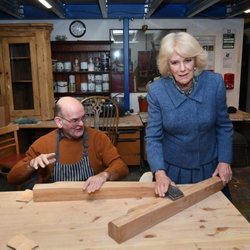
(99, 30)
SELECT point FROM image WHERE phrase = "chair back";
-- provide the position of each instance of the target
(9, 146)
(102, 113)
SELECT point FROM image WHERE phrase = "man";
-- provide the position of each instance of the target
(72, 152)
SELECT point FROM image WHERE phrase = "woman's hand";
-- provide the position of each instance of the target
(224, 171)
(95, 182)
(162, 183)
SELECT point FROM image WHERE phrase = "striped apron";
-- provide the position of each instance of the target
(79, 171)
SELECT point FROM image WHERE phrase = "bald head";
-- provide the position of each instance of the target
(67, 105)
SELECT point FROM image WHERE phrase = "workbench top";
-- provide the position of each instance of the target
(213, 223)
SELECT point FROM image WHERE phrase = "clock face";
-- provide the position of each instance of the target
(77, 28)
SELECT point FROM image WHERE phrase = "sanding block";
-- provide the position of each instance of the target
(174, 193)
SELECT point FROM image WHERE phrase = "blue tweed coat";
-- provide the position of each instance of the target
(188, 132)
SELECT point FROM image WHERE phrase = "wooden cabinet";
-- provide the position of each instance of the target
(118, 82)
(129, 145)
(26, 70)
(81, 68)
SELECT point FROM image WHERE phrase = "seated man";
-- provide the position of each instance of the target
(72, 152)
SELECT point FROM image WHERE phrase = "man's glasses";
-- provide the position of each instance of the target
(75, 122)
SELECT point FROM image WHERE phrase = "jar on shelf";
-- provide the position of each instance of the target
(105, 86)
(84, 87)
(67, 66)
(59, 66)
(98, 83)
(91, 87)
(84, 66)
(62, 86)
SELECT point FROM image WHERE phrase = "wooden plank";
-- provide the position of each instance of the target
(147, 215)
(68, 191)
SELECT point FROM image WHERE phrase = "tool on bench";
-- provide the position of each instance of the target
(174, 193)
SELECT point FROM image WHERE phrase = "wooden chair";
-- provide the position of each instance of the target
(102, 112)
(9, 148)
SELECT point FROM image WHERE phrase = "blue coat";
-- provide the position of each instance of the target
(188, 131)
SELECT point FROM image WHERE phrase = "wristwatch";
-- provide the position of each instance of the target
(77, 28)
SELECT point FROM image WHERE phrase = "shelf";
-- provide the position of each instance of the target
(81, 94)
(20, 58)
(81, 72)
(80, 46)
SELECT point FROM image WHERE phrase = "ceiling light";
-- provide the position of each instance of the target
(45, 3)
(247, 11)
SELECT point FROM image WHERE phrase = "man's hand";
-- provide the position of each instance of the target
(162, 183)
(224, 171)
(42, 161)
(95, 182)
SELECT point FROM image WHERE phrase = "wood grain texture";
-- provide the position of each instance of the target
(213, 223)
(145, 216)
(66, 191)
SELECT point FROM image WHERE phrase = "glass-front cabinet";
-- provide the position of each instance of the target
(26, 84)
(20, 65)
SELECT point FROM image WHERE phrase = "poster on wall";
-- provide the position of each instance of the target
(208, 44)
(228, 40)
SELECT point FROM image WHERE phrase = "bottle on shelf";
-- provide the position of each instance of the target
(72, 84)
(76, 66)
(91, 66)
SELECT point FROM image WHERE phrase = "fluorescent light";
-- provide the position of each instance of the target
(247, 11)
(45, 3)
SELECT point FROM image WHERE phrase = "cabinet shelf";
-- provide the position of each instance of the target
(20, 58)
(83, 52)
(84, 94)
(22, 81)
(27, 85)
(81, 72)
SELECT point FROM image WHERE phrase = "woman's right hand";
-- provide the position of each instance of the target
(42, 161)
(162, 182)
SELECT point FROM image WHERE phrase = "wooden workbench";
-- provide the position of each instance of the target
(129, 141)
(213, 223)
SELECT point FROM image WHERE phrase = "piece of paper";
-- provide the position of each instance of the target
(21, 242)
(25, 196)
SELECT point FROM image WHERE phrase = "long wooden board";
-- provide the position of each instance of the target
(68, 191)
(147, 215)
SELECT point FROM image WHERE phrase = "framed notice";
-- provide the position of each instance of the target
(228, 40)
(208, 44)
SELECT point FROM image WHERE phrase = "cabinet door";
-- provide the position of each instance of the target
(21, 78)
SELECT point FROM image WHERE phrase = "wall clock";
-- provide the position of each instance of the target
(77, 28)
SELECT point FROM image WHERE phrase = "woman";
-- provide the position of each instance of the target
(189, 133)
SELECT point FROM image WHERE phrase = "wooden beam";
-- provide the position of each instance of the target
(147, 215)
(68, 191)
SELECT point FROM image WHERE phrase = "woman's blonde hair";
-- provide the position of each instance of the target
(186, 46)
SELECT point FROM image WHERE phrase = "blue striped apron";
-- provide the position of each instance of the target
(79, 171)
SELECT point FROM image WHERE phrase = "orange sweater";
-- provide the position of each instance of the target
(102, 156)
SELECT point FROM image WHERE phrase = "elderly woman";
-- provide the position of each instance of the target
(189, 133)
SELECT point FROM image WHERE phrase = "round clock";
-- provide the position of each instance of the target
(77, 28)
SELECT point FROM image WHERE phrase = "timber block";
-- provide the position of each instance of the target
(143, 217)
(68, 191)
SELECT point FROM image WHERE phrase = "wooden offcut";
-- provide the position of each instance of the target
(68, 191)
(147, 215)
